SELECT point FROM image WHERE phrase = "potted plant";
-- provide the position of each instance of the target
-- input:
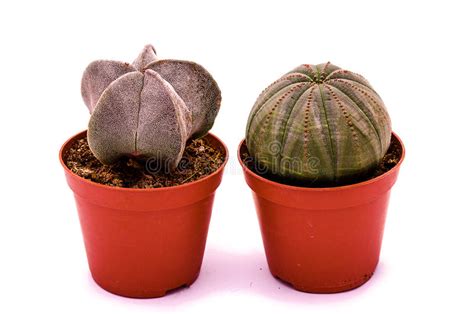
(145, 172)
(320, 158)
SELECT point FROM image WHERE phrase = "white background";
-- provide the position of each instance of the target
(418, 56)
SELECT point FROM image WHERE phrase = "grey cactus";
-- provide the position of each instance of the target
(318, 123)
(148, 108)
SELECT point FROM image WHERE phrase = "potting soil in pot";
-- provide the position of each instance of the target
(391, 158)
(200, 159)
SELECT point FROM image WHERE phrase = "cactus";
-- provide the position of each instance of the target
(149, 108)
(318, 123)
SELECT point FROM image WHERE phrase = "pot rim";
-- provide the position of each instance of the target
(322, 189)
(143, 190)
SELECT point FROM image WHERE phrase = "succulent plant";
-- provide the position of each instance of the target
(148, 108)
(318, 123)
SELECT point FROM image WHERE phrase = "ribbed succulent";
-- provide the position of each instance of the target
(318, 123)
(148, 108)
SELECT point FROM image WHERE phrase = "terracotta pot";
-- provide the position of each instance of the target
(322, 240)
(142, 243)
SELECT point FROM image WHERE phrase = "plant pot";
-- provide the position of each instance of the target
(322, 240)
(142, 243)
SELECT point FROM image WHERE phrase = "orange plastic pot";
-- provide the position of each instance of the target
(322, 240)
(142, 243)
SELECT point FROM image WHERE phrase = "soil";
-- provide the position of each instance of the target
(391, 158)
(200, 159)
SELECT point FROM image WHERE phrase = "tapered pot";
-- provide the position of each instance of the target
(142, 243)
(322, 240)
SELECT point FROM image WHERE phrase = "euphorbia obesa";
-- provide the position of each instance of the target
(318, 123)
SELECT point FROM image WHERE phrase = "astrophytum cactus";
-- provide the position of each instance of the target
(318, 123)
(149, 108)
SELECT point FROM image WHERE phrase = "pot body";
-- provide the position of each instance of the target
(322, 240)
(142, 243)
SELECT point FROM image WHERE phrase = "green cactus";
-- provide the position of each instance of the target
(148, 108)
(318, 123)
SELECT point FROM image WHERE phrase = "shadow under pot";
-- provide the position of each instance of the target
(142, 243)
(322, 240)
